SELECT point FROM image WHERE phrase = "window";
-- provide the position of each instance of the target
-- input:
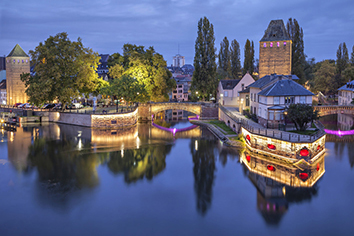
(225, 94)
(302, 99)
(271, 45)
(271, 115)
(284, 43)
(243, 86)
(265, 45)
(247, 100)
(289, 100)
(277, 115)
(251, 96)
(276, 100)
(278, 44)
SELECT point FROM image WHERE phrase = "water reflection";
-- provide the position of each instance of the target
(279, 183)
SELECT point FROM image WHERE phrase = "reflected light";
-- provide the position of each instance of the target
(284, 191)
(80, 144)
(196, 145)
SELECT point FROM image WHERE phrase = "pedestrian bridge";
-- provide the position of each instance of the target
(335, 109)
(203, 109)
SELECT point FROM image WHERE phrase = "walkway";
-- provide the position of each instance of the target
(234, 111)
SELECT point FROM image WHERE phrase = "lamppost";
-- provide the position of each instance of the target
(285, 114)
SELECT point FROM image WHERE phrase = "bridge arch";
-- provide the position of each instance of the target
(191, 107)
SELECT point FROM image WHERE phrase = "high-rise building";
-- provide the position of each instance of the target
(178, 61)
(17, 62)
(275, 50)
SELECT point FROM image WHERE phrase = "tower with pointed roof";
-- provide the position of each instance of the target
(17, 62)
(275, 50)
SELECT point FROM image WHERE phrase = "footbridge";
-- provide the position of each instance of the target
(335, 109)
(203, 109)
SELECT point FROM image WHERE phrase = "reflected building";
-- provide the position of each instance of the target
(280, 183)
(345, 122)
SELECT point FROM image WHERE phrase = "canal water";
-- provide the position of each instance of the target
(69, 180)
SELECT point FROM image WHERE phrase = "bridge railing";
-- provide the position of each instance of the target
(272, 133)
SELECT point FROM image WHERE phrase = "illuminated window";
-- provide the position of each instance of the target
(265, 45)
(271, 45)
(284, 43)
(278, 44)
(14, 60)
(23, 61)
(18, 60)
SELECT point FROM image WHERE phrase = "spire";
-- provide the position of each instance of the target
(17, 52)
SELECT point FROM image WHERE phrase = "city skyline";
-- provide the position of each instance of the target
(171, 26)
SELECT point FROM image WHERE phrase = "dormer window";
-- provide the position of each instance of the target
(284, 43)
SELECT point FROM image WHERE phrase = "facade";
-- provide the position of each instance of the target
(183, 84)
(17, 62)
(178, 61)
(275, 50)
(229, 90)
(3, 92)
(346, 94)
(272, 94)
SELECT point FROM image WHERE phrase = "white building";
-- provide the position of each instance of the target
(272, 94)
(178, 61)
(346, 94)
(229, 90)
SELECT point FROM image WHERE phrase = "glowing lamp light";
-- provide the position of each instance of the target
(271, 45)
(271, 146)
(318, 167)
(304, 152)
(248, 137)
(284, 43)
(303, 176)
(278, 44)
(271, 168)
(265, 45)
(174, 131)
(318, 147)
(248, 158)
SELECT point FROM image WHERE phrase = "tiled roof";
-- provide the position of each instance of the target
(275, 31)
(285, 87)
(348, 86)
(17, 52)
(229, 83)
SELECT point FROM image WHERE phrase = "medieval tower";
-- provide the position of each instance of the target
(17, 62)
(275, 50)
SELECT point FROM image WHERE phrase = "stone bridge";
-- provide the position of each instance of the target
(335, 109)
(203, 109)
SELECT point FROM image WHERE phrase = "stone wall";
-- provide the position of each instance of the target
(114, 120)
(275, 59)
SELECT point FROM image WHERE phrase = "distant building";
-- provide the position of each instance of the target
(102, 69)
(183, 84)
(275, 50)
(272, 94)
(2, 63)
(229, 90)
(3, 92)
(17, 62)
(346, 93)
(178, 61)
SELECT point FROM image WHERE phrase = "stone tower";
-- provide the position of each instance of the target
(17, 62)
(275, 50)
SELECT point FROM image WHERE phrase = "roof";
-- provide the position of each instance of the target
(269, 79)
(229, 83)
(276, 107)
(104, 57)
(247, 90)
(275, 31)
(285, 87)
(348, 86)
(17, 51)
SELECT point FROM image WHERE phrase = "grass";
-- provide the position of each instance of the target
(222, 126)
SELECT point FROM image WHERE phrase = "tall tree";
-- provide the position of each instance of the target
(342, 63)
(301, 114)
(235, 60)
(248, 64)
(63, 70)
(224, 58)
(146, 66)
(352, 57)
(324, 80)
(298, 58)
(204, 80)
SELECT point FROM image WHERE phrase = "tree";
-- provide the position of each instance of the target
(352, 57)
(224, 59)
(248, 64)
(298, 58)
(235, 70)
(127, 88)
(147, 66)
(64, 70)
(301, 114)
(204, 80)
(324, 79)
(342, 63)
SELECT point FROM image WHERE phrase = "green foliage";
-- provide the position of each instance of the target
(204, 80)
(235, 60)
(148, 68)
(342, 64)
(222, 125)
(63, 70)
(162, 123)
(298, 58)
(352, 57)
(248, 64)
(348, 74)
(127, 87)
(224, 59)
(301, 114)
(324, 80)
